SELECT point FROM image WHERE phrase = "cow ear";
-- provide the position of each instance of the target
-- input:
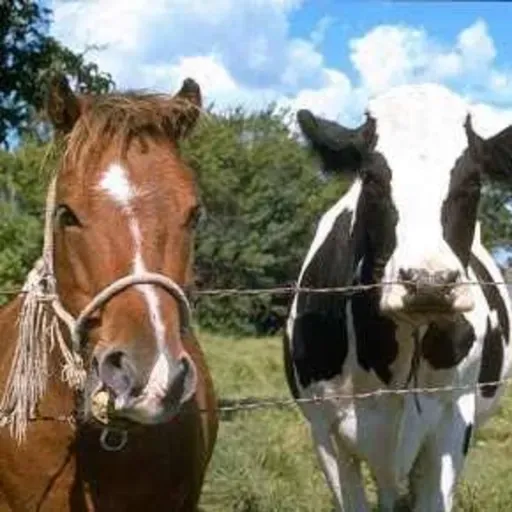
(493, 154)
(187, 103)
(497, 158)
(339, 148)
(61, 104)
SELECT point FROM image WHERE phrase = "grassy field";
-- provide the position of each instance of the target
(264, 460)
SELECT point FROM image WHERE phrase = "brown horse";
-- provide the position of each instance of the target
(132, 424)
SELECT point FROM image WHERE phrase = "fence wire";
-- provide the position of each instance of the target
(227, 406)
(250, 404)
(289, 289)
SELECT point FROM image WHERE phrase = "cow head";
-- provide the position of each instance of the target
(419, 166)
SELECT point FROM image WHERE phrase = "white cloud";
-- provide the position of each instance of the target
(318, 34)
(476, 46)
(390, 55)
(488, 120)
(242, 52)
(217, 84)
(332, 97)
(303, 63)
(250, 37)
(238, 51)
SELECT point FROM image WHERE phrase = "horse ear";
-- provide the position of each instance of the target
(61, 104)
(188, 101)
(493, 154)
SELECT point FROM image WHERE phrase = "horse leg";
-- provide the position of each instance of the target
(342, 472)
(440, 462)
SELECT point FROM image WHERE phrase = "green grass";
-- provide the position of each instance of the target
(264, 460)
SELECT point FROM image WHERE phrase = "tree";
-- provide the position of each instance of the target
(23, 183)
(496, 216)
(263, 196)
(27, 55)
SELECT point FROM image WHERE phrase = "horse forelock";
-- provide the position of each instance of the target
(110, 122)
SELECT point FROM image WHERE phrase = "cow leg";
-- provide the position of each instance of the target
(388, 499)
(440, 462)
(341, 470)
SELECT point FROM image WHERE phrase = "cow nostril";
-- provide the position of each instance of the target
(452, 276)
(406, 274)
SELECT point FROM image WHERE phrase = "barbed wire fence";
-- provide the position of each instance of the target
(229, 406)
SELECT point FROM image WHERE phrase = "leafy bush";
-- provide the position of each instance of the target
(262, 194)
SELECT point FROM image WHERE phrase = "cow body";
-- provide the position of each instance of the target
(339, 344)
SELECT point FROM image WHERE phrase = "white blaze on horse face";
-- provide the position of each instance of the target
(421, 135)
(117, 185)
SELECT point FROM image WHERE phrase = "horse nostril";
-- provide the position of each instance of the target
(115, 359)
(116, 372)
(182, 381)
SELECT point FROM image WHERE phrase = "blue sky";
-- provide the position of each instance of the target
(324, 54)
(443, 20)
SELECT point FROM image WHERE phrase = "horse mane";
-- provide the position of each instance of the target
(114, 119)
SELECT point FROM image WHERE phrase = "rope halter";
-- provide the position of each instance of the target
(39, 330)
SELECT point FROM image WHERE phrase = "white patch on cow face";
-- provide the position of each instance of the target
(421, 134)
(117, 185)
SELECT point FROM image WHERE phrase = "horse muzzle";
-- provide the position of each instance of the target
(118, 396)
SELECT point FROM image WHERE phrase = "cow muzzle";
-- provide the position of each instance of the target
(428, 294)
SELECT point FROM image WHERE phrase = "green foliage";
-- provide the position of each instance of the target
(27, 55)
(264, 459)
(496, 217)
(23, 182)
(262, 194)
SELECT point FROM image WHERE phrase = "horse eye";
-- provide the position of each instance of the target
(65, 217)
(195, 216)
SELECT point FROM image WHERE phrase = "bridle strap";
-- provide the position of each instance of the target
(76, 325)
(143, 278)
(42, 317)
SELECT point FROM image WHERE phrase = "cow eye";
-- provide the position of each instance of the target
(65, 217)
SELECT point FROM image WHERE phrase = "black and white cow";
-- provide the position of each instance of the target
(410, 216)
